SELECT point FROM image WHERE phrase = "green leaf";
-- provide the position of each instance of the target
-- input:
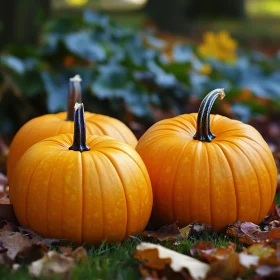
(13, 63)
(82, 44)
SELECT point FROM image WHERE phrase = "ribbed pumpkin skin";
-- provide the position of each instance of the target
(50, 125)
(104, 193)
(232, 178)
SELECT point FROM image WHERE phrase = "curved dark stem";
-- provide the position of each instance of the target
(74, 95)
(203, 132)
(79, 142)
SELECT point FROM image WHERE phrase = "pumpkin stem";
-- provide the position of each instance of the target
(79, 142)
(74, 95)
(203, 132)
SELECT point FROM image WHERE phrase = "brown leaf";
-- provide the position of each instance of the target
(159, 257)
(51, 265)
(66, 251)
(15, 242)
(250, 233)
(199, 247)
(197, 228)
(31, 253)
(20, 248)
(173, 232)
(38, 238)
(170, 232)
(150, 258)
(206, 251)
(227, 269)
(79, 254)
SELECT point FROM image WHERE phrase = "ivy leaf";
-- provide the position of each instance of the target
(83, 45)
(111, 81)
(13, 63)
(92, 17)
(57, 90)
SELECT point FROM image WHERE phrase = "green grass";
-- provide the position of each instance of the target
(116, 261)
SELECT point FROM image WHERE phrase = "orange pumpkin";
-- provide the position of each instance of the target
(93, 190)
(49, 125)
(214, 178)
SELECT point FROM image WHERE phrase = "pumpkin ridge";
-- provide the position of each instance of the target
(178, 123)
(270, 178)
(110, 124)
(233, 177)
(194, 165)
(174, 178)
(99, 127)
(143, 173)
(117, 130)
(51, 173)
(268, 152)
(28, 189)
(248, 158)
(162, 175)
(101, 193)
(93, 158)
(125, 195)
(59, 127)
(257, 143)
(210, 185)
(89, 128)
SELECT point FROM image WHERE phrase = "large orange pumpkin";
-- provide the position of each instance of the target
(214, 178)
(94, 190)
(49, 125)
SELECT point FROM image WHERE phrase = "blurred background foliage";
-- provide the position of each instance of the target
(140, 61)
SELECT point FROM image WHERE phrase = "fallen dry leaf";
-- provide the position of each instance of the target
(18, 247)
(173, 232)
(170, 232)
(197, 228)
(207, 252)
(158, 257)
(9, 226)
(79, 254)
(51, 265)
(250, 233)
(227, 269)
(14, 242)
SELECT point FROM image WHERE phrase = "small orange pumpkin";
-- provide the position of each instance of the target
(93, 190)
(49, 125)
(214, 178)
